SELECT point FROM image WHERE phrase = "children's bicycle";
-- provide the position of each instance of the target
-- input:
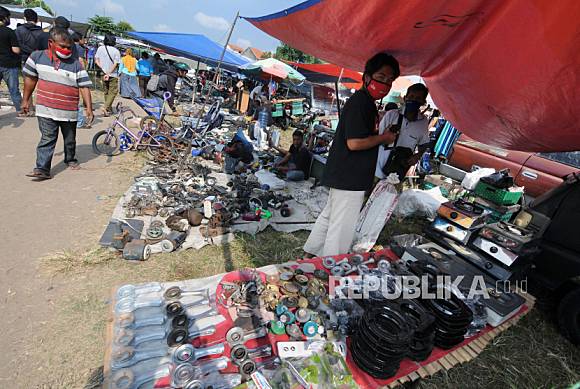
(108, 142)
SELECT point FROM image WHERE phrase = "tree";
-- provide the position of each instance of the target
(124, 26)
(102, 24)
(31, 4)
(267, 54)
(288, 53)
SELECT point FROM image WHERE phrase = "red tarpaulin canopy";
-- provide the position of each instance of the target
(327, 72)
(504, 72)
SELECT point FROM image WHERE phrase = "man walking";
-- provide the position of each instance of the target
(60, 77)
(108, 59)
(9, 58)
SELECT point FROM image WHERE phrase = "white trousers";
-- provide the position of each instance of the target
(334, 229)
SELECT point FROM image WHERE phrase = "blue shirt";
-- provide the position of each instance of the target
(144, 68)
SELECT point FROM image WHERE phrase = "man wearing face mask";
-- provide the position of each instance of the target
(60, 78)
(350, 167)
(412, 131)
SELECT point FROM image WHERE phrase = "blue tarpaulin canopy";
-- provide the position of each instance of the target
(194, 46)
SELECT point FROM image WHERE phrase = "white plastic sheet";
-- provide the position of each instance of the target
(471, 180)
(420, 202)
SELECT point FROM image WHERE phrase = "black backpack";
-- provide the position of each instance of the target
(28, 38)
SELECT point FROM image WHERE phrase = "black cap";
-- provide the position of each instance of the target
(30, 15)
(4, 13)
(61, 21)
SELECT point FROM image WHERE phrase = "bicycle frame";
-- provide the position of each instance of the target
(136, 139)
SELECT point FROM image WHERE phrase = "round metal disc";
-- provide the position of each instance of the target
(248, 367)
(290, 288)
(174, 308)
(302, 315)
(178, 336)
(179, 321)
(303, 302)
(301, 279)
(328, 262)
(183, 353)
(182, 374)
(238, 353)
(172, 293)
(235, 335)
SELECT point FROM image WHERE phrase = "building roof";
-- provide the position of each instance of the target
(257, 52)
(235, 48)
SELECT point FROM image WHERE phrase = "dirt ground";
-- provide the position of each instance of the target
(55, 282)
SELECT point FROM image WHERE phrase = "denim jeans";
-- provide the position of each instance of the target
(49, 135)
(10, 76)
(295, 175)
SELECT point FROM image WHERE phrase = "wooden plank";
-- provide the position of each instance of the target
(445, 362)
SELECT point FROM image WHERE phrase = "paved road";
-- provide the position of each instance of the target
(39, 218)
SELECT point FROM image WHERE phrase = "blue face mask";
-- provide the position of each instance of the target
(412, 108)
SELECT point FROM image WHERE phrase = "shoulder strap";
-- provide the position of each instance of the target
(107, 50)
(399, 124)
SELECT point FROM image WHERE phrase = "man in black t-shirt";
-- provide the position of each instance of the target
(296, 161)
(9, 58)
(352, 159)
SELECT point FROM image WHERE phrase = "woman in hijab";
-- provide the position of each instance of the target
(129, 83)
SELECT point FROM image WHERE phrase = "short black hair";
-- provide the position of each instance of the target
(4, 13)
(298, 133)
(30, 15)
(145, 55)
(390, 106)
(418, 87)
(378, 61)
(110, 40)
(76, 37)
(61, 21)
(156, 55)
(57, 33)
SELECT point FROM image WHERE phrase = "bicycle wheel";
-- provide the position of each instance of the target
(106, 142)
(161, 148)
(149, 124)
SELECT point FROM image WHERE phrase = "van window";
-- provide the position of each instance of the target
(571, 158)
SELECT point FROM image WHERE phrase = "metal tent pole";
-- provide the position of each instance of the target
(210, 90)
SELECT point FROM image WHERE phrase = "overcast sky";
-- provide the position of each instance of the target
(209, 17)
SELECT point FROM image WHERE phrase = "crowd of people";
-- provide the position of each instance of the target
(54, 65)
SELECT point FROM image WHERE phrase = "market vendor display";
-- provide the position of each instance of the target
(352, 159)
(296, 161)
(412, 132)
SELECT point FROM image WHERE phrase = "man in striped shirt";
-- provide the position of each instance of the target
(58, 77)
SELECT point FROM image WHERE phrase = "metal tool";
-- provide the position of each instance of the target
(237, 335)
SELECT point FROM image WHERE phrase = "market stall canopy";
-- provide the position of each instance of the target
(503, 72)
(271, 67)
(329, 73)
(193, 46)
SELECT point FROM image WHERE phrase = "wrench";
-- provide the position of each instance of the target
(187, 353)
(185, 372)
(215, 381)
(134, 290)
(237, 335)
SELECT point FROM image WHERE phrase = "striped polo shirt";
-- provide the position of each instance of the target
(57, 91)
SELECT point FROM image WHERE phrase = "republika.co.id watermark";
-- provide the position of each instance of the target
(414, 287)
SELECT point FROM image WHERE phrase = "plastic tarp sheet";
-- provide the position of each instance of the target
(503, 72)
(193, 46)
(327, 72)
